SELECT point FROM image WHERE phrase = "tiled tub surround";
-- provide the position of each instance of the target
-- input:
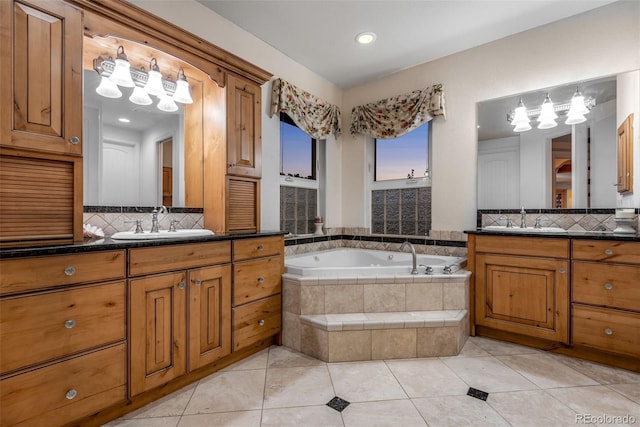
(568, 219)
(366, 317)
(111, 219)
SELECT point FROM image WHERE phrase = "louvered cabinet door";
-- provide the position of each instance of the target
(243, 204)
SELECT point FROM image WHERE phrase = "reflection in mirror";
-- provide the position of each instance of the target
(138, 155)
(564, 166)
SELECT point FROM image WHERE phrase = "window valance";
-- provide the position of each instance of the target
(398, 115)
(317, 118)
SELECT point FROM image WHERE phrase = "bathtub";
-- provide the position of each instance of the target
(356, 262)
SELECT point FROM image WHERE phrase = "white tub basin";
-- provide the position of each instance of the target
(162, 234)
(524, 230)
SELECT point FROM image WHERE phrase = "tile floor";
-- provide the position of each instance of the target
(280, 387)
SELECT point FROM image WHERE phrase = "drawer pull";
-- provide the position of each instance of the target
(74, 140)
(70, 271)
(608, 331)
(562, 271)
(197, 282)
(260, 279)
(181, 285)
(71, 394)
(69, 324)
(260, 247)
(608, 286)
(261, 322)
(608, 251)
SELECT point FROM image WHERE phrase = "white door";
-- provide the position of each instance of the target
(120, 174)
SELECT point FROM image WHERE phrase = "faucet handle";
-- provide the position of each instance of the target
(427, 269)
(138, 223)
(537, 224)
(447, 269)
(172, 225)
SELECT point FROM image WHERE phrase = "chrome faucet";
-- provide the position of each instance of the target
(427, 269)
(155, 225)
(414, 270)
(523, 218)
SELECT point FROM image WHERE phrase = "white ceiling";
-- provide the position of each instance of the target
(320, 34)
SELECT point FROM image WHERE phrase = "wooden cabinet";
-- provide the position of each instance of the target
(625, 156)
(63, 334)
(178, 309)
(606, 295)
(244, 124)
(40, 121)
(258, 264)
(522, 285)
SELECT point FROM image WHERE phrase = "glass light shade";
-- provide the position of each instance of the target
(548, 116)
(121, 74)
(108, 89)
(520, 115)
(154, 84)
(140, 96)
(167, 104)
(182, 94)
(574, 119)
(521, 127)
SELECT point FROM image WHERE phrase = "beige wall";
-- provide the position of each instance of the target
(600, 42)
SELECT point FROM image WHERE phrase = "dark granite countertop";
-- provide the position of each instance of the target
(110, 244)
(586, 235)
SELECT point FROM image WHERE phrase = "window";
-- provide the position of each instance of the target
(297, 150)
(404, 157)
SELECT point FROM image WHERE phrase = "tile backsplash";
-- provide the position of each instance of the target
(111, 220)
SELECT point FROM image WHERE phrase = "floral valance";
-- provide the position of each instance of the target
(398, 115)
(317, 118)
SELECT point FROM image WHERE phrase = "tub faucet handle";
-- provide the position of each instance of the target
(427, 269)
(447, 269)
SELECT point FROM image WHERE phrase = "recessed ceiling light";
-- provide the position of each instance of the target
(366, 37)
(124, 120)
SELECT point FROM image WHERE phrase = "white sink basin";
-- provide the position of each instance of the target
(525, 230)
(162, 234)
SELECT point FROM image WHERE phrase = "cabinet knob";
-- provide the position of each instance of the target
(261, 322)
(608, 331)
(69, 324)
(260, 247)
(71, 394)
(70, 271)
(74, 140)
(608, 286)
(197, 282)
(181, 285)
(608, 251)
(260, 279)
(562, 271)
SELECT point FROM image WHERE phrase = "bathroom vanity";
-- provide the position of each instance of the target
(575, 293)
(92, 331)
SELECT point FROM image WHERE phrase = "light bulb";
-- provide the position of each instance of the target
(108, 89)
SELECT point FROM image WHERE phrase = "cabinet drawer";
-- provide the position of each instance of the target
(257, 279)
(256, 321)
(44, 326)
(63, 392)
(177, 257)
(606, 329)
(610, 285)
(260, 247)
(25, 274)
(603, 250)
(527, 246)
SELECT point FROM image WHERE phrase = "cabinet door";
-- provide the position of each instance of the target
(523, 295)
(158, 330)
(243, 128)
(209, 315)
(42, 104)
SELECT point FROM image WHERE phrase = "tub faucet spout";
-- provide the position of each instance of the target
(414, 269)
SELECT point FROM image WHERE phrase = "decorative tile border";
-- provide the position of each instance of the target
(112, 222)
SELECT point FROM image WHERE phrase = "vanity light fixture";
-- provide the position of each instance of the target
(366, 37)
(182, 94)
(108, 89)
(154, 83)
(121, 75)
(548, 112)
(548, 116)
(124, 120)
(167, 104)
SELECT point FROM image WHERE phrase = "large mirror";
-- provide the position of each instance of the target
(571, 166)
(139, 155)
